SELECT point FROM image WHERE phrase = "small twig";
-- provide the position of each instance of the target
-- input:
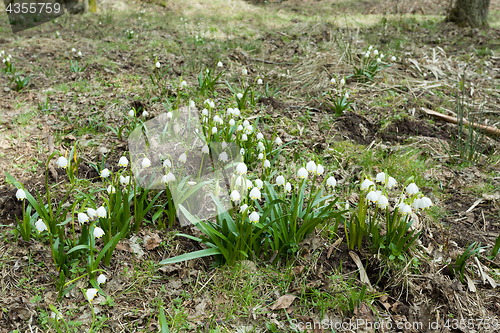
(273, 257)
(303, 107)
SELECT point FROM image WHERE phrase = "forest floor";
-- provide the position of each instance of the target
(295, 47)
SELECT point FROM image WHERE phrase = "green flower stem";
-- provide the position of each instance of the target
(93, 317)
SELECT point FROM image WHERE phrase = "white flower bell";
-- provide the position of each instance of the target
(255, 194)
(101, 279)
(40, 225)
(82, 218)
(123, 162)
(241, 169)
(235, 196)
(243, 208)
(101, 212)
(62, 162)
(105, 173)
(412, 189)
(169, 177)
(311, 167)
(302, 173)
(20, 194)
(319, 170)
(254, 217)
(146, 163)
(366, 184)
(98, 232)
(331, 181)
(90, 294)
(373, 196)
(91, 213)
(382, 202)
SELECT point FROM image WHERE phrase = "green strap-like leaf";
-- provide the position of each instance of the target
(192, 255)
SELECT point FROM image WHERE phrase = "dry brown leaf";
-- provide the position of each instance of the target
(283, 302)
(470, 284)
(362, 273)
(151, 241)
(298, 269)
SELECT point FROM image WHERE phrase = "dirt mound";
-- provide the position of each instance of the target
(405, 128)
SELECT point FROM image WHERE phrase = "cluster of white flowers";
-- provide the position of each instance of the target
(210, 103)
(341, 82)
(405, 205)
(124, 180)
(233, 112)
(378, 198)
(419, 200)
(6, 59)
(79, 53)
(374, 53)
(388, 182)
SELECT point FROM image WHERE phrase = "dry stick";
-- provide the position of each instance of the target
(51, 150)
(303, 107)
(486, 129)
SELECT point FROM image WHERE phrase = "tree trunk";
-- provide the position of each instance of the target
(472, 13)
(86, 6)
